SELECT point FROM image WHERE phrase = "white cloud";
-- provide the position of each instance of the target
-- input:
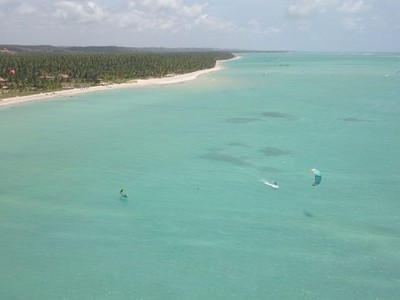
(353, 24)
(151, 16)
(378, 20)
(272, 30)
(85, 12)
(214, 24)
(353, 6)
(309, 8)
(169, 15)
(168, 6)
(139, 21)
(25, 9)
(203, 22)
(256, 26)
(142, 15)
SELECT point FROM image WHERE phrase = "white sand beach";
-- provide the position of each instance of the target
(134, 83)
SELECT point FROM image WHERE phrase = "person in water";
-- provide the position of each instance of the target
(122, 193)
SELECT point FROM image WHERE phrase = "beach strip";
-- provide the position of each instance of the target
(134, 83)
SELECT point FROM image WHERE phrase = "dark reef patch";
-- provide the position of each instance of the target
(272, 151)
(237, 161)
(238, 144)
(308, 214)
(356, 120)
(267, 169)
(243, 120)
(278, 115)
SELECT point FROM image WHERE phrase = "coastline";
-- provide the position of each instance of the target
(134, 83)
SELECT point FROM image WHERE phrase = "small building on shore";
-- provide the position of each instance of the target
(3, 84)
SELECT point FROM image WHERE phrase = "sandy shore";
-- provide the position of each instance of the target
(135, 83)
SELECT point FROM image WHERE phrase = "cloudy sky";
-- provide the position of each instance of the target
(302, 25)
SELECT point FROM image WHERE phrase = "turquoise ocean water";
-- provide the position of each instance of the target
(199, 223)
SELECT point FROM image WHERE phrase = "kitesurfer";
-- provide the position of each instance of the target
(123, 194)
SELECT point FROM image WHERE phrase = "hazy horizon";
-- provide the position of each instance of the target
(238, 50)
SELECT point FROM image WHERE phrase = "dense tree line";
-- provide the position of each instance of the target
(51, 72)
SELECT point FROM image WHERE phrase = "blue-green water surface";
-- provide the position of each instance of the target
(199, 223)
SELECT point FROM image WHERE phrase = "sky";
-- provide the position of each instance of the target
(298, 25)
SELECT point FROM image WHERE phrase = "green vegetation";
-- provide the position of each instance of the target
(21, 73)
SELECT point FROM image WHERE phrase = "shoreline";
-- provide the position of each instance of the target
(134, 83)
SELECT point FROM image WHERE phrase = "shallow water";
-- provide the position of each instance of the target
(199, 223)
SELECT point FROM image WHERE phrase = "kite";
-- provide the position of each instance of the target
(317, 177)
